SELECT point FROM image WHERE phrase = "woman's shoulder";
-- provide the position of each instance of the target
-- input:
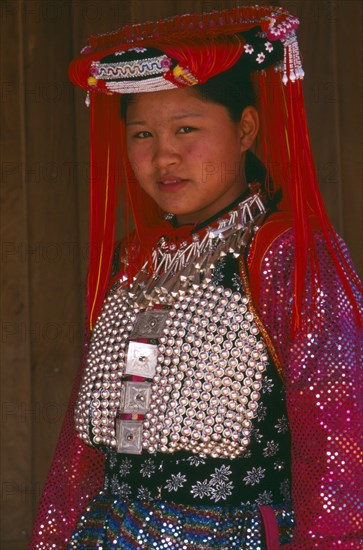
(277, 225)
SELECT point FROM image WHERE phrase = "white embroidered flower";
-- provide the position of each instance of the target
(175, 482)
(112, 456)
(271, 448)
(282, 425)
(236, 282)
(143, 493)
(264, 498)
(125, 467)
(267, 385)
(221, 491)
(137, 50)
(220, 475)
(254, 476)
(148, 468)
(248, 48)
(201, 489)
(261, 412)
(269, 47)
(256, 435)
(195, 460)
(260, 57)
(123, 490)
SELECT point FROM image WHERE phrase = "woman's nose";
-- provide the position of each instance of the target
(166, 152)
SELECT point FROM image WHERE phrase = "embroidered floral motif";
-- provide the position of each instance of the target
(261, 412)
(123, 490)
(175, 482)
(236, 283)
(271, 448)
(282, 425)
(248, 48)
(254, 476)
(201, 489)
(221, 491)
(260, 57)
(264, 498)
(125, 467)
(137, 50)
(269, 47)
(144, 494)
(196, 460)
(267, 385)
(256, 435)
(220, 475)
(148, 468)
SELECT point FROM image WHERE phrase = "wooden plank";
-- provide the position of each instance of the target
(348, 29)
(17, 486)
(54, 264)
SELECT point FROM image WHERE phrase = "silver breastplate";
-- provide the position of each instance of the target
(194, 384)
(206, 371)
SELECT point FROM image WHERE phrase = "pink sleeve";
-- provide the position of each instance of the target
(323, 375)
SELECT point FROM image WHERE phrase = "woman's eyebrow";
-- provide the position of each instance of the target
(185, 115)
(136, 122)
(174, 117)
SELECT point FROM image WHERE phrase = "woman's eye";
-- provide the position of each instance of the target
(186, 130)
(142, 135)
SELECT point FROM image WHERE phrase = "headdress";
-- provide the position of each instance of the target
(186, 51)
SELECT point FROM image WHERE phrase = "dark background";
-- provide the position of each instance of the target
(44, 200)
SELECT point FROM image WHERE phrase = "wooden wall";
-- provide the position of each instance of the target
(44, 201)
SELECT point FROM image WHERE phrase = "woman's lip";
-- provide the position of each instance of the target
(172, 184)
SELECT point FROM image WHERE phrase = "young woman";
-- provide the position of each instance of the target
(218, 404)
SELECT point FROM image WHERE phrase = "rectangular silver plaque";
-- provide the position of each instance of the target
(141, 359)
(149, 324)
(129, 436)
(135, 397)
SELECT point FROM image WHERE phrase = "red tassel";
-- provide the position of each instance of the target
(105, 162)
(286, 150)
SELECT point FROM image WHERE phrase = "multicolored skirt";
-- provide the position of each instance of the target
(111, 523)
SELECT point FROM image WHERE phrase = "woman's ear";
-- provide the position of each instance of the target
(249, 125)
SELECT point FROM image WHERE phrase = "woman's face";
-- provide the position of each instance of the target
(187, 153)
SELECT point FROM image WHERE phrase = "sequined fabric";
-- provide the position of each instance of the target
(323, 373)
(115, 524)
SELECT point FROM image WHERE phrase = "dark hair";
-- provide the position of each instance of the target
(233, 89)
